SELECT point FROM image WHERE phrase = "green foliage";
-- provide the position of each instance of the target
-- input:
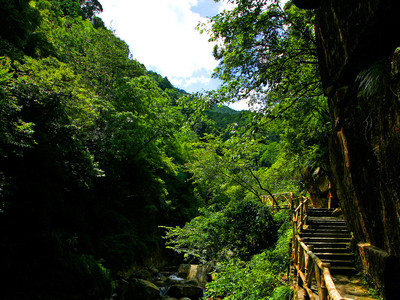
(374, 80)
(258, 278)
(239, 230)
(101, 58)
(18, 21)
(282, 293)
(223, 117)
(95, 152)
(92, 150)
(264, 47)
(74, 8)
(49, 267)
(15, 134)
(268, 56)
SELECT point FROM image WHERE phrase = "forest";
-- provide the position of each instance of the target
(106, 168)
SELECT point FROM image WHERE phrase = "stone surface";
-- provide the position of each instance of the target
(186, 290)
(355, 39)
(318, 186)
(144, 274)
(140, 289)
(198, 273)
(381, 267)
(352, 287)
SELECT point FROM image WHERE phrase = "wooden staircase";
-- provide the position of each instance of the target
(322, 264)
(330, 239)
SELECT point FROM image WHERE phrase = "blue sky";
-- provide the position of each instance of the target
(207, 8)
(161, 34)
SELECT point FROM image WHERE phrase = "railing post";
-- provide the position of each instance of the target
(323, 293)
(322, 290)
(300, 263)
(301, 217)
(295, 255)
(306, 212)
(308, 269)
(318, 279)
(291, 200)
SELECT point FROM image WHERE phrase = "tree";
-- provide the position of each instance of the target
(240, 230)
(18, 21)
(102, 58)
(267, 55)
(89, 158)
(87, 9)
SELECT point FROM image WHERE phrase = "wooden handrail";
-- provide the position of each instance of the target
(278, 201)
(306, 265)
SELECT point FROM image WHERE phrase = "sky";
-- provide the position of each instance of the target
(161, 35)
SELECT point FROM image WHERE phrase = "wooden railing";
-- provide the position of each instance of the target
(308, 269)
(299, 213)
(278, 201)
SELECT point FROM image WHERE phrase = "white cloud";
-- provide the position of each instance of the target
(197, 80)
(162, 35)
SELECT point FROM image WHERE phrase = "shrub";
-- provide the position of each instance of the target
(241, 229)
(259, 278)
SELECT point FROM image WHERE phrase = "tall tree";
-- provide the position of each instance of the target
(267, 56)
(18, 21)
(87, 9)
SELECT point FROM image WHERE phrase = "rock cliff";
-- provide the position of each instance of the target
(359, 64)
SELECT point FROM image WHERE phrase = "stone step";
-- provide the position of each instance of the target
(320, 212)
(330, 221)
(339, 262)
(318, 226)
(330, 240)
(341, 247)
(327, 230)
(325, 234)
(344, 270)
(334, 255)
(322, 222)
(326, 249)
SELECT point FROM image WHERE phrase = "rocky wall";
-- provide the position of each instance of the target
(359, 62)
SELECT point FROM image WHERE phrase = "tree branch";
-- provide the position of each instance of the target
(261, 187)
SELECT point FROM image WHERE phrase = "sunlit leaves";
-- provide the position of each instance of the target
(265, 50)
(241, 229)
(15, 134)
(97, 54)
(50, 83)
(258, 278)
(267, 56)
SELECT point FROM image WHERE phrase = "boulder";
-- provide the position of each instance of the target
(140, 289)
(318, 186)
(186, 290)
(198, 273)
(184, 270)
(144, 274)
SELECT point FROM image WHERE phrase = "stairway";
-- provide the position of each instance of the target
(330, 239)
